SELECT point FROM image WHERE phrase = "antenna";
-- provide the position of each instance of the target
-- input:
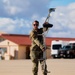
(52, 9)
(47, 24)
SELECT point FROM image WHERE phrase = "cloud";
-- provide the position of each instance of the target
(60, 34)
(71, 6)
(6, 24)
(24, 8)
(17, 17)
(14, 26)
(12, 8)
(63, 20)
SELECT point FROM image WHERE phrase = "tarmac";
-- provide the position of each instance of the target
(24, 67)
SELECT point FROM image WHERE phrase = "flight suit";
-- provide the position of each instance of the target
(36, 52)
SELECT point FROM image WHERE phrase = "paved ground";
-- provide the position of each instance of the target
(24, 67)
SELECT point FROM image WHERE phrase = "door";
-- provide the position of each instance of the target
(27, 52)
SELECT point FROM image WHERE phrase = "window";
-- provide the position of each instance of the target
(3, 50)
(57, 46)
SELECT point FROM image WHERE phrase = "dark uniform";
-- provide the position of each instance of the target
(36, 52)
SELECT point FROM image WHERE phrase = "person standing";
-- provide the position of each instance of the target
(37, 48)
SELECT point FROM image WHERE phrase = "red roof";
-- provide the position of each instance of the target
(25, 40)
(17, 38)
(49, 39)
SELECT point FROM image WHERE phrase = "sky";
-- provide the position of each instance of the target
(16, 16)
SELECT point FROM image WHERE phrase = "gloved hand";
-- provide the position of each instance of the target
(46, 24)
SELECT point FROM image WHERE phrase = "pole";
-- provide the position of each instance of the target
(48, 25)
(44, 35)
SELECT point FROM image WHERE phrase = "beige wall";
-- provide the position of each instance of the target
(6, 42)
(10, 46)
(18, 51)
(48, 53)
(22, 52)
(12, 49)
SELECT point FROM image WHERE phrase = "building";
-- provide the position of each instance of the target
(17, 46)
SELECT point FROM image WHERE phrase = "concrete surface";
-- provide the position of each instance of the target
(24, 67)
